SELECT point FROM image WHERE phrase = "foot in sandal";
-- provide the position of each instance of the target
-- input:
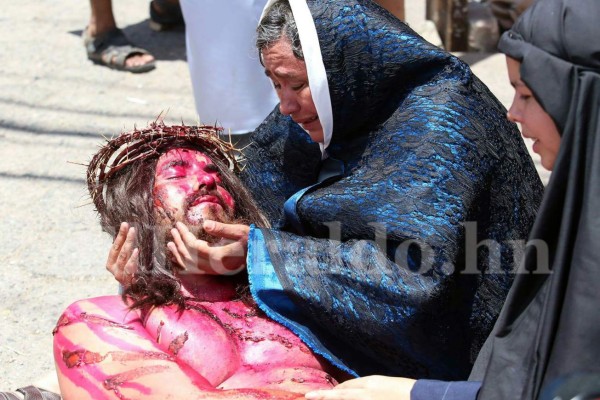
(114, 50)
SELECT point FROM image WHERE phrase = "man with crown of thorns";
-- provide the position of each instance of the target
(174, 334)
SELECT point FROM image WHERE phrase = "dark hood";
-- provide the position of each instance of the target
(550, 325)
(372, 62)
(554, 43)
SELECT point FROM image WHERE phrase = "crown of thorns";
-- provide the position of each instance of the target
(129, 147)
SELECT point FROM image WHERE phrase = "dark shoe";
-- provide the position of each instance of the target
(112, 49)
(168, 17)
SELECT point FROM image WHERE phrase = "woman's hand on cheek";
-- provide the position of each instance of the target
(374, 387)
(227, 256)
(122, 259)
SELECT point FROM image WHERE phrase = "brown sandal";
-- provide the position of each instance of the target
(112, 49)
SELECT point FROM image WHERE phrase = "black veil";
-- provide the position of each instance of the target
(550, 324)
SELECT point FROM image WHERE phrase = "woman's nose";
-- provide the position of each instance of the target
(510, 117)
(288, 104)
(513, 114)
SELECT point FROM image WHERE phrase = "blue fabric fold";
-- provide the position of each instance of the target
(273, 301)
(331, 169)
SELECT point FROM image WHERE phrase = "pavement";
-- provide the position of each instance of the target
(55, 109)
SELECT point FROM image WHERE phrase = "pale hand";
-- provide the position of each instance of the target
(225, 257)
(375, 387)
(122, 259)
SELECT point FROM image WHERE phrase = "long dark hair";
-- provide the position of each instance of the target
(129, 198)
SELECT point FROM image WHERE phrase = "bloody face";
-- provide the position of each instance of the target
(187, 188)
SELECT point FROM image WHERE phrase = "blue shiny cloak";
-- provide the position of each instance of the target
(369, 263)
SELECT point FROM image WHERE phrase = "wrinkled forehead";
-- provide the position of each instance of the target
(181, 156)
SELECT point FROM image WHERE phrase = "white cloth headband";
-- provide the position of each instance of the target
(317, 77)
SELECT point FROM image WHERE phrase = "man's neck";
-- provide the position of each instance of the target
(210, 288)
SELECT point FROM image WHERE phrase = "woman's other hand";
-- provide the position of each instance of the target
(373, 387)
(122, 259)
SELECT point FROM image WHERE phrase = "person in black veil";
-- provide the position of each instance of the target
(398, 195)
(549, 327)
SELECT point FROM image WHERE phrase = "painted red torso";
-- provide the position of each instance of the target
(233, 345)
(217, 347)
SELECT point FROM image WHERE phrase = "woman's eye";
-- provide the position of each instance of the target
(298, 87)
(275, 84)
(523, 95)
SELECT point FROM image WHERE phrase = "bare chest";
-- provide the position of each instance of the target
(234, 345)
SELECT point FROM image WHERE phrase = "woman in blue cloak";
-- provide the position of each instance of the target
(545, 343)
(396, 221)
(368, 259)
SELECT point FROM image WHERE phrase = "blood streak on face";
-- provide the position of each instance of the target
(187, 188)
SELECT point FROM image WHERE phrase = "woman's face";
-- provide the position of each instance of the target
(290, 80)
(536, 124)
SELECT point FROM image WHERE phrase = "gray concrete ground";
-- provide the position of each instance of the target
(55, 106)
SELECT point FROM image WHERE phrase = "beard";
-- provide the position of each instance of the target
(193, 217)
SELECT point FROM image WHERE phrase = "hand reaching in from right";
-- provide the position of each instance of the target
(227, 256)
(375, 387)
(122, 259)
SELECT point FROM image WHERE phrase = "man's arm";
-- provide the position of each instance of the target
(103, 351)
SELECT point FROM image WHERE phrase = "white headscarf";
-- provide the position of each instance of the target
(317, 77)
